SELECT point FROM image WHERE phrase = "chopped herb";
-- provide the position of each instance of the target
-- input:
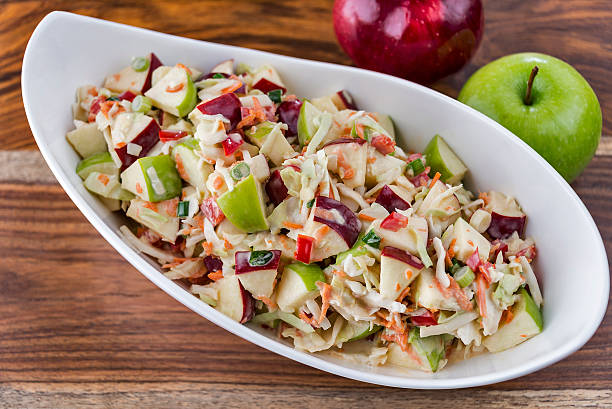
(182, 209)
(371, 239)
(240, 171)
(276, 95)
(260, 257)
(218, 75)
(310, 203)
(140, 64)
(112, 99)
(417, 166)
(456, 265)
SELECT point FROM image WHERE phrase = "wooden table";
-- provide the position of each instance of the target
(79, 327)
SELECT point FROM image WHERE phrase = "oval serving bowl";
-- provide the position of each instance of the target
(67, 50)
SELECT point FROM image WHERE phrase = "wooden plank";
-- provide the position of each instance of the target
(304, 29)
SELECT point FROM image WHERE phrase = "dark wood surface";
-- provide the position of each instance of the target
(79, 327)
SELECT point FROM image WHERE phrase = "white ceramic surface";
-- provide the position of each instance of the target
(66, 51)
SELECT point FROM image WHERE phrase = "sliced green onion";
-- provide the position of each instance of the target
(112, 99)
(260, 257)
(140, 64)
(276, 95)
(464, 276)
(240, 171)
(310, 203)
(417, 166)
(456, 265)
(218, 75)
(183, 209)
(142, 104)
(371, 239)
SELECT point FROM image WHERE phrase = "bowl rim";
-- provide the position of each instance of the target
(181, 295)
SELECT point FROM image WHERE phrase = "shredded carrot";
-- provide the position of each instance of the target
(283, 239)
(451, 248)
(103, 179)
(120, 145)
(116, 77)
(397, 286)
(507, 317)
(92, 91)
(447, 260)
(408, 274)
(325, 296)
(319, 234)
(471, 243)
(484, 197)
(216, 275)
(307, 319)
(151, 206)
(340, 273)
(434, 180)
(138, 187)
(175, 88)
(371, 160)
(171, 265)
(106, 106)
(180, 167)
(360, 130)
(455, 292)
(482, 300)
(208, 248)
(271, 304)
(290, 225)
(366, 217)
(403, 294)
(185, 68)
(231, 88)
(227, 245)
(218, 182)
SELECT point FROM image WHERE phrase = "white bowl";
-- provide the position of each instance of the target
(66, 51)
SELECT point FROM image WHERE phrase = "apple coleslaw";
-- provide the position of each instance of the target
(303, 216)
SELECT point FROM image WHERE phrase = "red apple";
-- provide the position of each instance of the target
(276, 189)
(390, 200)
(503, 226)
(420, 40)
(213, 263)
(234, 301)
(402, 256)
(227, 105)
(346, 100)
(423, 318)
(146, 138)
(154, 63)
(338, 217)
(127, 95)
(249, 261)
(265, 86)
(212, 211)
(288, 112)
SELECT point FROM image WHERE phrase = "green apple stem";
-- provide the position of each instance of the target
(534, 72)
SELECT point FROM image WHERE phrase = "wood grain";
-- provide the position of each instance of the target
(81, 328)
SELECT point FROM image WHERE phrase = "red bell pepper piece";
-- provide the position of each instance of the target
(394, 222)
(167, 136)
(212, 211)
(303, 249)
(383, 144)
(425, 319)
(232, 143)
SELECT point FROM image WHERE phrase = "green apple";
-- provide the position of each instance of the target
(526, 322)
(356, 330)
(369, 127)
(297, 285)
(244, 206)
(271, 141)
(107, 186)
(307, 124)
(407, 238)
(156, 218)
(99, 162)
(441, 158)
(174, 93)
(87, 140)
(193, 170)
(561, 119)
(269, 318)
(152, 178)
(433, 348)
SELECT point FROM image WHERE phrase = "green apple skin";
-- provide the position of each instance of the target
(99, 162)
(310, 274)
(563, 122)
(441, 158)
(244, 206)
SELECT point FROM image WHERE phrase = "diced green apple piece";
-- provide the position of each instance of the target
(430, 349)
(107, 186)
(356, 330)
(409, 360)
(193, 170)
(244, 206)
(276, 147)
(158, 220)
(174, 93)
(99, 162)
(298, 285)
(526, 322)
(467, 239)
(308, 122)
(441, 158)
(325, 104)
(427, 294)
(257, 134)
(152, 178)
(87, 140)
(386, 122)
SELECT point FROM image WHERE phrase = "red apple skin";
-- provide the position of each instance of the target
(227, 105)
(276, 189)
(243, 266)
(425, 319)
(502, 227)
(388, 199)
(248, 304)
(288, 112)
(347, 100)
(349, 230)
(346, 140)
(401, 255)
(420, 40)
(147, 139)
(213, 263)
(154, 62)
(266, 86)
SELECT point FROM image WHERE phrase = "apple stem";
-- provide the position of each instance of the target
(534, 72)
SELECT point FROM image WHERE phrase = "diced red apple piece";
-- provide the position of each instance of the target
(227, 105)
(506, 216)
(289, 112)
(265, 86)
(397, 270)
(257, 270)
(224, 67)
(338, 217)
(343, 100)
(234, 300)
(276, 189)
(136, 81)
(390, 197)
(136, 129)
